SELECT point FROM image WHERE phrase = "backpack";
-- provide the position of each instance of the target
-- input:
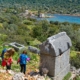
(23, 59)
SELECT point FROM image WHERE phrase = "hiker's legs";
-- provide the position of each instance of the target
(21, 65)
(8, 67)
(24, 70)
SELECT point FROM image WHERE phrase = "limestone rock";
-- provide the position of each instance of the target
(18, 76)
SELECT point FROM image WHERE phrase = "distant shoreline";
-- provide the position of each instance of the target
(77, 15)
(49, 16)
(63, 18)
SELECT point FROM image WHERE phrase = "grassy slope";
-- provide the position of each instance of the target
(32, 64)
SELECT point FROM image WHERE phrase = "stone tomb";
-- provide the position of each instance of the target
(17, 46)
(54, 55)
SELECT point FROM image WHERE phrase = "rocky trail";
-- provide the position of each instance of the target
(32, 75)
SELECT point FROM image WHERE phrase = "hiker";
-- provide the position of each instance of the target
(3, 51)
(7, 60)
(23, 61)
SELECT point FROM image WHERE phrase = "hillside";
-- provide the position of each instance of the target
(54, 6)
(14, 27)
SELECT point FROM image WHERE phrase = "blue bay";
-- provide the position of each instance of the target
(63, 18)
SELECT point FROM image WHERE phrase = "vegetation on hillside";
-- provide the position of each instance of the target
(28, 31)
(52, 6)
(15, 27)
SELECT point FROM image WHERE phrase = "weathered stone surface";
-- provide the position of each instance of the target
(34, 49)
(54, 55)
(18, 76)
(17, 46)
(56, 45)
(61, 74)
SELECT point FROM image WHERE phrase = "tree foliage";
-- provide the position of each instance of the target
(54, 6)
(20, 29)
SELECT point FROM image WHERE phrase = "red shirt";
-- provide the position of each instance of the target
(6, 61)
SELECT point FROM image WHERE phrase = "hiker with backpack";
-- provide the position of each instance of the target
(3, 51)
(7, 60)
(23, 61)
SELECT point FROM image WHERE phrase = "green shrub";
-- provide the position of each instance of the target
(27, 22)
(75, 61)
(16, 56)
(78, 78)
(67, 76)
